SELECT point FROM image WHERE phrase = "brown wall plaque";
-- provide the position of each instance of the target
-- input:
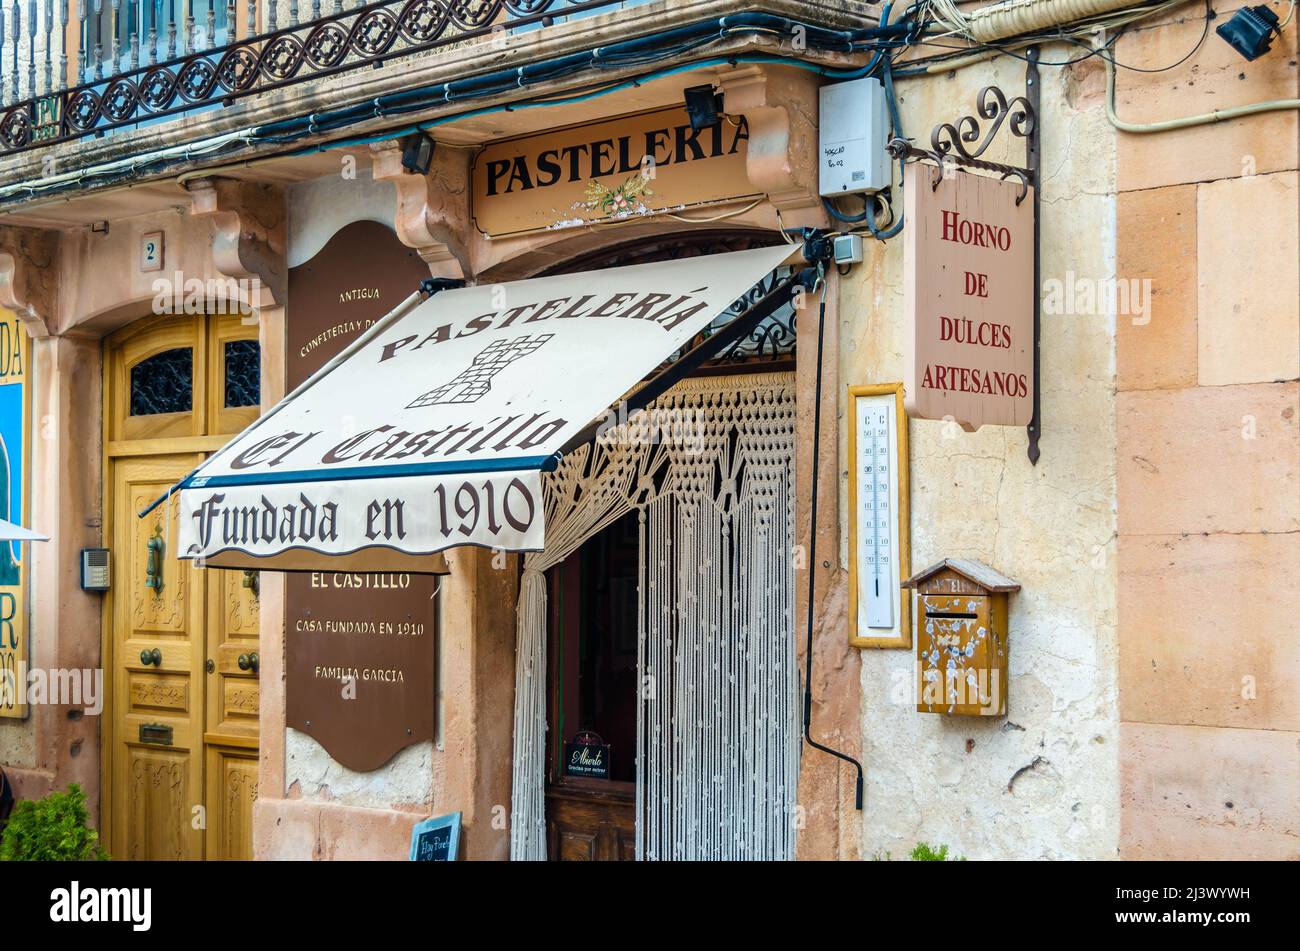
(360, 647)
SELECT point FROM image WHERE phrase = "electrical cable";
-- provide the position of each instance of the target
(812, 549)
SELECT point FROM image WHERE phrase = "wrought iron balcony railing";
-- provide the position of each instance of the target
(139, 61)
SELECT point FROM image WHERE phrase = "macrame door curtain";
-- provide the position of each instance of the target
(709, 470)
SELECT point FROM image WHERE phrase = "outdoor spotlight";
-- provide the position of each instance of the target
(703, 107)
(417, 154)
(1250, 30)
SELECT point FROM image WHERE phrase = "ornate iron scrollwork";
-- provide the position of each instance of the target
(992, 106)
(962, 142)
(349, 39)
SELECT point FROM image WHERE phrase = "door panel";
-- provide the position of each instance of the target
(589, 820)
(232, 635)
(232, 704)
(157, 720)
(232, 787)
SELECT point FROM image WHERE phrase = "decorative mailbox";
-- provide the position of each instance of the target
(961, 638)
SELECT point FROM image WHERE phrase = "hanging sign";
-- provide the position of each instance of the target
(969, 300)
(587, 755)
(625, 168)
(359, 648)
(14, 411)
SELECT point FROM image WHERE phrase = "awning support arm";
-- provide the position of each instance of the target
(428, 287)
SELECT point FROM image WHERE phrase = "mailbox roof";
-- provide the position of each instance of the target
(969, 568)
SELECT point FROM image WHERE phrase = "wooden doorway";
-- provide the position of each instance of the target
(592, 634)
(180, 643)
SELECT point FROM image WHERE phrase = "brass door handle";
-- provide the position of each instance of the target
(155, 548)
(148, 657)
(249, 661)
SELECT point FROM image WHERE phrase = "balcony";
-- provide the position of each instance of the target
(131, 96)
(115, 64)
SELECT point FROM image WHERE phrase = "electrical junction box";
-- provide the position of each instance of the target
(853, 130)
(847, 248)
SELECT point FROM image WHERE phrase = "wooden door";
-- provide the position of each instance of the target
(590, 821)
(180, 643)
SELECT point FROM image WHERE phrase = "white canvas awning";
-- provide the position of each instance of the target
(433, 429)
(9, 532)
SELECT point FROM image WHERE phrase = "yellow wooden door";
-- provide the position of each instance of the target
(181, 643)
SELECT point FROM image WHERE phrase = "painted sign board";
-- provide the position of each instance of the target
(436, 840)
(627, 167)
(969, 300)
(359, 647)
(15, 410)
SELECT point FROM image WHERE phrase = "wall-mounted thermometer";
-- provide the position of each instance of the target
(879, 543)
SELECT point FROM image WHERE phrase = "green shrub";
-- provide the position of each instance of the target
(923, 853)
(51, 829)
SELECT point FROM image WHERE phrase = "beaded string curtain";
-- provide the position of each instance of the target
(711, 474)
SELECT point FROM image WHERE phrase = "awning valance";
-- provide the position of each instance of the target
(432, 430)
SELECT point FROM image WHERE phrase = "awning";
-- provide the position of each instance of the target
(432, 430)
(9, 532)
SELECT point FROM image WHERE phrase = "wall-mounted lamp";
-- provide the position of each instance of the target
(417, 153)
(703, 107)
(1250, 31)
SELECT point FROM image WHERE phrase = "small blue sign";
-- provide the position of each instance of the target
(436, 840)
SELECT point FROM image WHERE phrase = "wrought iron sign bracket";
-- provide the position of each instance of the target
(961, 144)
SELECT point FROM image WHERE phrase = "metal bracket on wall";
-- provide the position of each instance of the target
(962, 144)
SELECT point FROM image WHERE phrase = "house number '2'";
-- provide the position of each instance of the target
(151, 252)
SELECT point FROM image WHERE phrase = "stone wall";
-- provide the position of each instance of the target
(1208, 419)
(1041, 783)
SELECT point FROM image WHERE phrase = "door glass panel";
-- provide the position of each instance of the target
(243, 381)
(164, 383)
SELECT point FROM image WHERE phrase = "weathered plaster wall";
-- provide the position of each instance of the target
(1041, 782)
(320, 207)
(1209, 452)
(309, 806)
(317, 210)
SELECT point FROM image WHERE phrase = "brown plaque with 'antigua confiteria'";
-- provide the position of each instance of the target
(627, 167)
(969, 299)
(359, 647)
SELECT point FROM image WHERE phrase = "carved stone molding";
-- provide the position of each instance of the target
(782, 156)
(248, 237)
(432, 215)
(28, 276)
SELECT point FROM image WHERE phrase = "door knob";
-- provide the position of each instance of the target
(249, 661)
(148, 657)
